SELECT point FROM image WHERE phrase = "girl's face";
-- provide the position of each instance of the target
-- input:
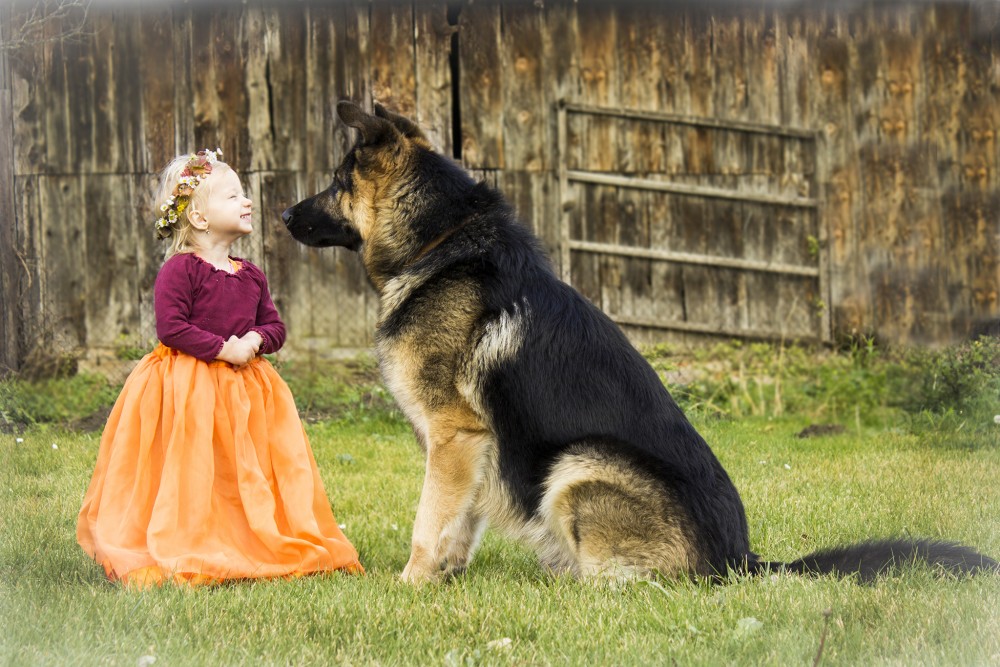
(227, 210)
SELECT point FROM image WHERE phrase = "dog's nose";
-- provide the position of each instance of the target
(286, 216)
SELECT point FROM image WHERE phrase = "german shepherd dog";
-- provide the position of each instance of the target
(534, 411)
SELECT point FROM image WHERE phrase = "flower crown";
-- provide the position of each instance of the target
(197, 169)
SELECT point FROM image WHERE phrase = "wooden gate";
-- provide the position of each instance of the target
(696, 225)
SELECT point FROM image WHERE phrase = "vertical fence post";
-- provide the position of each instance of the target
(563, 198)
(11, 269)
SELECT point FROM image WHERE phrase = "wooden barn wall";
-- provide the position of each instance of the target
(904, 99)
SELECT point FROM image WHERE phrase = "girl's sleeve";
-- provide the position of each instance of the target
(268, 322)
(172, 301)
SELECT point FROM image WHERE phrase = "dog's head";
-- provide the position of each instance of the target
(381, 194)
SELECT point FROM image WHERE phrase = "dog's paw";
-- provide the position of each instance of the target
(416, 573)
(452, 569)
(454, 564)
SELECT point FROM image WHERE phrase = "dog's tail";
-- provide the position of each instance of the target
(871, 559)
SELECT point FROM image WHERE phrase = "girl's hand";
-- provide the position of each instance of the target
(238, 351)
(255, 340)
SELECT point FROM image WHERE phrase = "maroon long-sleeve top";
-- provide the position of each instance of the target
(198, 307)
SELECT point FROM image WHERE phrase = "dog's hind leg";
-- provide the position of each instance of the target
(446, 529)
(615, 521)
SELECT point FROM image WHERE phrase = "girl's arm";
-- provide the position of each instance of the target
(172, 301)
(268, 323)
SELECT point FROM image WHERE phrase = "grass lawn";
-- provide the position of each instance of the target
(870, 480)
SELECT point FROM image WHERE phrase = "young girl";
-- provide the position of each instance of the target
(204, 471)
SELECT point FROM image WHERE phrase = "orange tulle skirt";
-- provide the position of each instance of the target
(205, 474)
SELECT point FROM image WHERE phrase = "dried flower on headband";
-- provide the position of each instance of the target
(198, 167)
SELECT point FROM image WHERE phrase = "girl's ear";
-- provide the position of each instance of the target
(197, 219)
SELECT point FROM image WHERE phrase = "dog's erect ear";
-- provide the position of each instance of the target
(374, 130)
(409, 129)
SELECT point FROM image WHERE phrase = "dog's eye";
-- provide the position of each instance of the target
(342, 180)
(343, 177)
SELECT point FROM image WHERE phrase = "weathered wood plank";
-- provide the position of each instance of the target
(711, 297)
(432, 42)
(640, 147)
(149, 251)
(598, 83)
(699, 63)
(973, 276)
(64, 299)
(287, 77)
(782, 305)
(762, 58)
(220, 99)
(634, 233)
(730, 84)
(260, 94)
(285, 261)
(154, 66)
(119, 144)
(28, 100)
(11, 271)
(393, 60)
(29, 240)
(836, 112)
(62, 142)
(526, 141)
(324, 67)
(183, 86)
(358, 38)
(585, 268)
(560, 44)
(531, 194)
(339, 271)
(110, 240)
(480, 86)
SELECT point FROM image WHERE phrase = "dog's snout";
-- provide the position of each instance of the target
(286, 216)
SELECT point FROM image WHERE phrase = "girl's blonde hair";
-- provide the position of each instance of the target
(181, 233)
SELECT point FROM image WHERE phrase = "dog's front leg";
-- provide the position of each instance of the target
(454, 474)
(463, 542)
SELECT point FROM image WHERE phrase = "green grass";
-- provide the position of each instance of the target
(888, 473)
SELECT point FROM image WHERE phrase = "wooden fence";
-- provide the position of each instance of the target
(889, 115)
(628, 243)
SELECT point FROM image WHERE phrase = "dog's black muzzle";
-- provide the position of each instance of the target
(316, 228)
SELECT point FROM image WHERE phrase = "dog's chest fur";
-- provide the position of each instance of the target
(435, 352)
(422, 344)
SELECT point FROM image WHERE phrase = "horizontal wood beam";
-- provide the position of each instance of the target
(595, 178)
(698, 327)
(695, 121)
(692, 258)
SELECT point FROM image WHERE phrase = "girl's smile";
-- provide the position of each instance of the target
(228, 211)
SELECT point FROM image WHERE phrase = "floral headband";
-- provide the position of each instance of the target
(198, 167)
